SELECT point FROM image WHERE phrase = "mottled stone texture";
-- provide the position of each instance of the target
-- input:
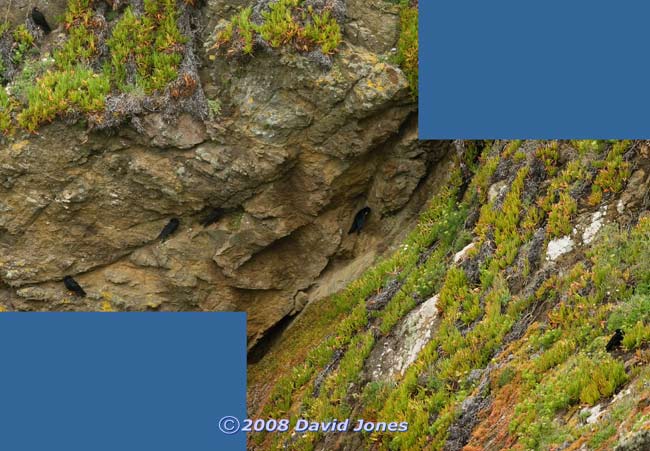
(294, 151)
(16, 11)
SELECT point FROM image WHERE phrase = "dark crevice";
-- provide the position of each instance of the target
(272, 335)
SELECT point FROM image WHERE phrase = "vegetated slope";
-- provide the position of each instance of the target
(487, 329)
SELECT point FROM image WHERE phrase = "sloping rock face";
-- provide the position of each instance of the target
(16, 11)
(291, 151)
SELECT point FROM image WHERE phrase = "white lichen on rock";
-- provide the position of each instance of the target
(559, 247)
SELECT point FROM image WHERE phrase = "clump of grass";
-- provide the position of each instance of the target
(613, 173)
(481, 181)
(128, 44)
(279, 26)
(506, 234)
(7, 105)
(559, 203)
(23, 41)
(151, 43)
(324, 31)
(557, 354)
(630, 312)
(512, 147)
(64, 92)
(24, 80)
(407, 46)
(549, 154)
(582, 379)
(504, 223)
(559, 218)
(284, 23)
(82, 26)
(145, 54)
(215, 107)
(456, 289)
(636, 336)
(238, 34)
(589, 146)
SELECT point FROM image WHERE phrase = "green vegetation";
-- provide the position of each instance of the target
(285, 23)
(239, 31)
(407, 46)
(24, 81)
(612, 174)
(582, 379)
(324, 31)
(630, 313)
(23, 41)
(511, 148)
(549, 154)
(144, 54)
(152, 43)
(6, 108)
(82, 44)
(559, 202)
(575, 369)
(62, 92)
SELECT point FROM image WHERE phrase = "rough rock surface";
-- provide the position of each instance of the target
(396, 352)
(292, 153)
(17, 11)
(637, 442)
(558, 247)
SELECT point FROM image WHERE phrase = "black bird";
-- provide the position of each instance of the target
(169, 229)
(359, 220)
(39, 19)
(73, 286)
(213, 217)
(615, 341)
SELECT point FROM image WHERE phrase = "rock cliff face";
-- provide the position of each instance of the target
(16, 11)
(290, 152)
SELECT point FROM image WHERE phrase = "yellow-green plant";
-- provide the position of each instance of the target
(126, 43)
(549, 154)
(62, 92)
(285, 22)
(559, 218)
(238, 32)
(324, 31)
(279, 26)
(82, 44)
(6, 107)
(151, 42)
(613, 173)
(23, 41)
(407, 46)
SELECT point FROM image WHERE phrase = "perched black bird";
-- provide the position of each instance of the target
(615, 341)
(359, 220)
(213, 217)
(39, 19)
(169, 229)
(73, 286)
